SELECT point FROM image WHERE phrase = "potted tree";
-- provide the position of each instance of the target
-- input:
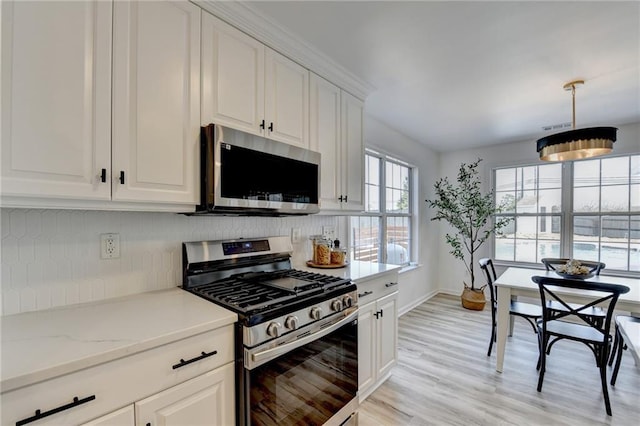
(469, 211)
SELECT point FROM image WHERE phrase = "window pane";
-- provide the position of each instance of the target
(635, 169)
(586, 199)
(634, 248)
(372, 198)
(526, 227)
(550, 176)
(548, 249)
(365, 238)
(586, 173)
(527, 202)
(506, 199)
(525, 250)
(550, 200)
(635, 198)
(398, 243)
(527, 178)
(615, 198)
(505, 248)
(615, 171)
(505, 179)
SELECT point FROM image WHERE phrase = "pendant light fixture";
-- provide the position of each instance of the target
(576, 144)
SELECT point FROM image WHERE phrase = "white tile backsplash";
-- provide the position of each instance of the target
(51, 258)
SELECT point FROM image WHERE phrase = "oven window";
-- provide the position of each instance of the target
(307, 385)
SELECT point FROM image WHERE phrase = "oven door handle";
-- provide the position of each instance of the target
(259, 358)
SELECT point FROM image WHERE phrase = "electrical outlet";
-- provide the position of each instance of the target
(295, 235)
(329, 232)
(109, 246)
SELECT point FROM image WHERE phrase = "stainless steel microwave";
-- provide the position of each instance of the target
(245, 174)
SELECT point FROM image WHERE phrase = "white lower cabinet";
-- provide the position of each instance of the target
(377, 331)
(188, 379)
(205, 400)
(121, 417)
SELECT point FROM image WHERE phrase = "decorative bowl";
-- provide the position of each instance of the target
(576, 276)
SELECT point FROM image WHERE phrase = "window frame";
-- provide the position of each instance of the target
(566, 214)
(382, 214)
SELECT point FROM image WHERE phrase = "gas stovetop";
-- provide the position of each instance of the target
(255, 292)
(254, 278)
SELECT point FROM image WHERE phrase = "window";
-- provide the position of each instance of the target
(383, 232)
(587, 209)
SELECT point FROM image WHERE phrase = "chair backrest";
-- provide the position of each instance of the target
(606, 297)
(551, 263)
(486, 264)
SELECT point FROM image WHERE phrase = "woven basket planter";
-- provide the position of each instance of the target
(473, 299)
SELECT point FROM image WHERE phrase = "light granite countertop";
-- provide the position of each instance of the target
(40, 345)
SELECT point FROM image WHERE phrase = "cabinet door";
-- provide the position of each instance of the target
(286, 100)
(387, 333)
(232, 77)
(122, 417)
(205, 400)
(325, 136)
(366, 348)
(352, 153)
(56, 97)
(156, 101)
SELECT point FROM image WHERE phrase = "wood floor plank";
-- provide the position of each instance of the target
(444, 377)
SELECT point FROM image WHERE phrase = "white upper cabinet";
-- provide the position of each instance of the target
(325, 138)
(336, 120)
(352, 153)
(249, 87)
(156, 101)
(74, 132)
(56, 99)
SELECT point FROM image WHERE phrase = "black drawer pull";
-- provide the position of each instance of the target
(121, 177)
(204, 355)
(262, 125)
(39, 415)
(390, 284)
(103, 175)
(366, 293)
(271, 127)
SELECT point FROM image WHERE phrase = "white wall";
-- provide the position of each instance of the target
(420, 283)
(451, 272)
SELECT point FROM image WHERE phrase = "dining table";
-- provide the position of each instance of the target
(516, 282)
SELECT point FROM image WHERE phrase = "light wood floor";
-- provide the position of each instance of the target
(444, 377)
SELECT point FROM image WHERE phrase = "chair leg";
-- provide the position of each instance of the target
(542, 359)
(493, 338)
(618, 350)
(614, 348)
(602, 364)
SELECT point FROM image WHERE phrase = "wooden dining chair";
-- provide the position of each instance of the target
(572, 323)
(627, 337)
(528, 311)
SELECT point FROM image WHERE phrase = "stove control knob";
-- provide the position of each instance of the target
(336, 305)
(315, 313)
(347, 301)
(291, 322)
(273, 329)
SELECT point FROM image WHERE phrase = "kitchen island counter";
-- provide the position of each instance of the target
(41, 345)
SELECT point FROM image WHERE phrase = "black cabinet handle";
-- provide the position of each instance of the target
(271, 127)
(103, 175)
(262, 125)
(381, 313)
(390, 284)
(121, 177)
(366, 293)
(39, 414)
(340, 198)
(204, 355)
(376, 315)
(345, 198)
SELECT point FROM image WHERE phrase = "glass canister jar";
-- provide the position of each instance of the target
(338, 253)
(321, 251)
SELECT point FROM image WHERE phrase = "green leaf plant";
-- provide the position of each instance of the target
(470, 212)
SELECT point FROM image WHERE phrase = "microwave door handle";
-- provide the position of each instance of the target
(257, 359)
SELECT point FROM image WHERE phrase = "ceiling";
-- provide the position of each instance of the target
(455, 75)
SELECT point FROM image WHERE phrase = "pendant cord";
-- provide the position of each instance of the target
(573, 96)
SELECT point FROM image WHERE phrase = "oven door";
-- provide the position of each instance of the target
(307, 379)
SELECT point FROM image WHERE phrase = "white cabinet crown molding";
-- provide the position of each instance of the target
(247, 19)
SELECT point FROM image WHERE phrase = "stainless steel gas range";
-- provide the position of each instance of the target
(296, 337)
